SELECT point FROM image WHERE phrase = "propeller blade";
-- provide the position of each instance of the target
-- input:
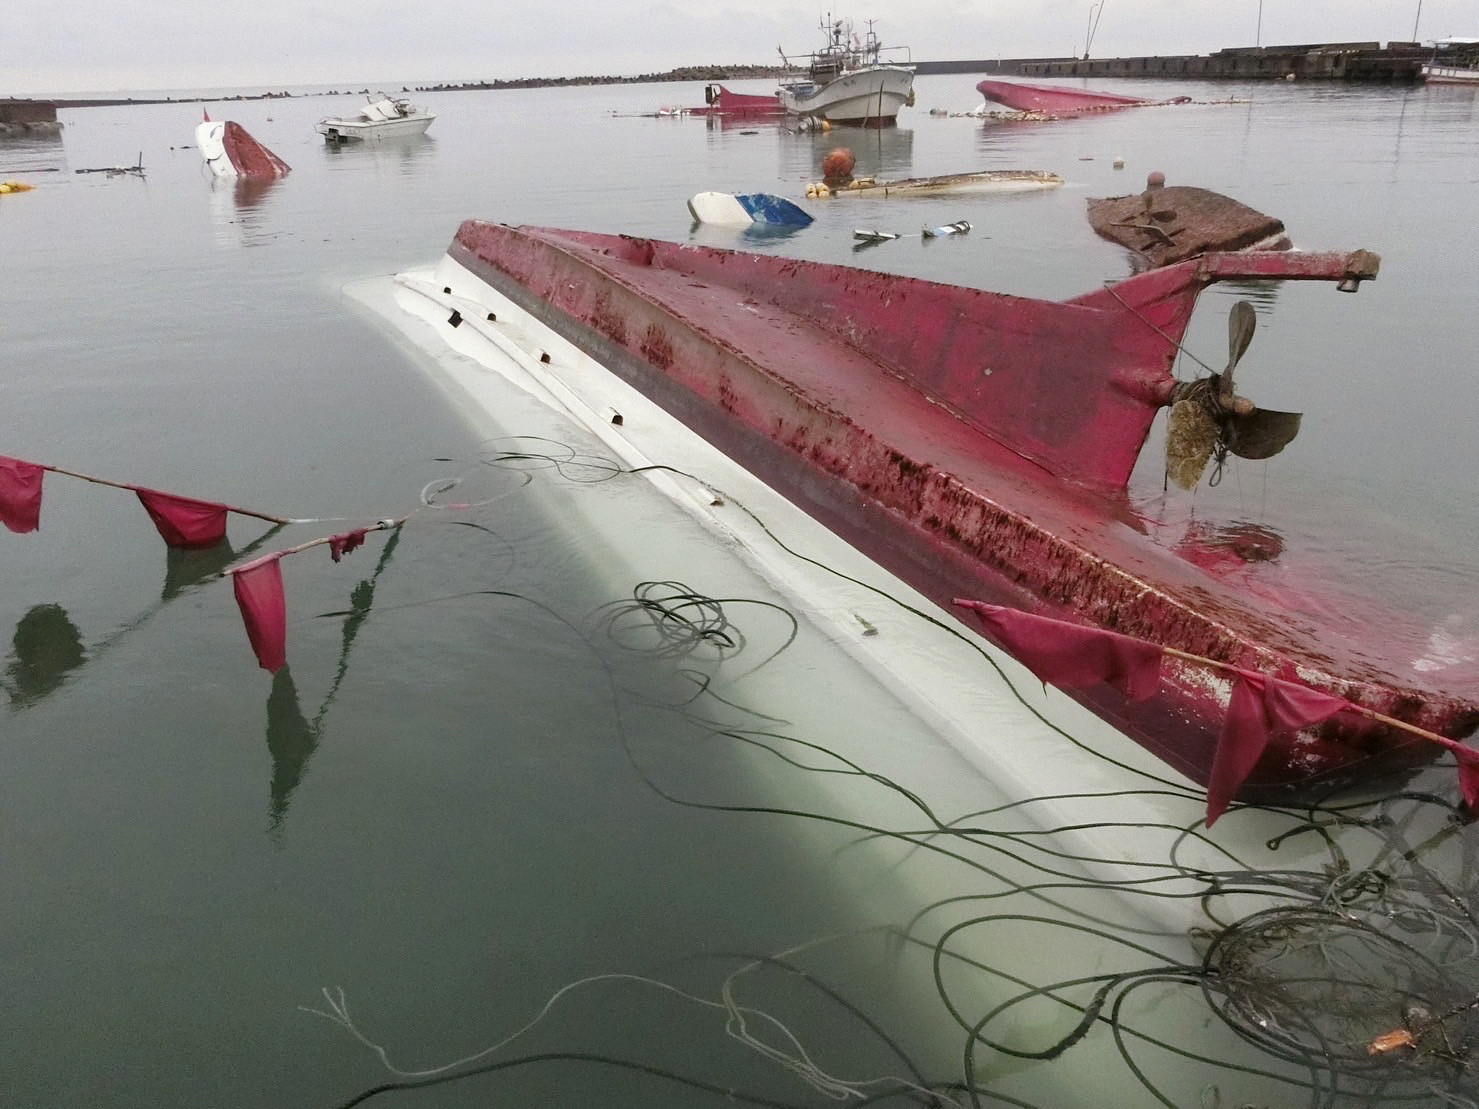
(1262, 433)
(1191, 436)
(1242, 321)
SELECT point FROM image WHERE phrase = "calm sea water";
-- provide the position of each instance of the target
(477, 784)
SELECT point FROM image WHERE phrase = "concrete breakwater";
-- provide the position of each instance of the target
(1368, 62)
(28, 117)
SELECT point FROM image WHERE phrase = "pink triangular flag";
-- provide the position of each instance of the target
(264, 609)
(20, 494)
(183, 522)
(1260, 708)
(1072, 656)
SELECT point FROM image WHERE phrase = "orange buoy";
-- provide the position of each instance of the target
(838, 165)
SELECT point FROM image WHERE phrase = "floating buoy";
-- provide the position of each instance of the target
(838, 165)
(15, 187)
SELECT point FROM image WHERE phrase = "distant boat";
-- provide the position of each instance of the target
(230, 152)
(1061, 100)
(1436, 74)
(848, 82)
(388, 117)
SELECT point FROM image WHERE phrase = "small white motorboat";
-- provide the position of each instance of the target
(388, 117)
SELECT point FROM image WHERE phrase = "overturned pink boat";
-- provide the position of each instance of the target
(230, 151)
(1061, 100)
(720, 101)
(978, 446)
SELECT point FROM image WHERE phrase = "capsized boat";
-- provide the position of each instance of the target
(230, 152)
(721, 101)
(387, 117)
(978, 445)
(744, 209)
(948, 184)
(1061, 100)
(1170, 223)
(849, 81)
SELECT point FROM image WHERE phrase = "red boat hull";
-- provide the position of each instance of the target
(742, 104)
(1057, 100)
(251, 158)
(884, 406)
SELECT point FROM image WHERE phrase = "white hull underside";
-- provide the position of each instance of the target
(865, 95)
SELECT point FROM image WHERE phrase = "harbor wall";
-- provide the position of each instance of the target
(1367, 62)
(28, 117)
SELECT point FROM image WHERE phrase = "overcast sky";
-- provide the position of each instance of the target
(98, 45)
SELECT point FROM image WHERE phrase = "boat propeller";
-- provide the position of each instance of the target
(1208, 419)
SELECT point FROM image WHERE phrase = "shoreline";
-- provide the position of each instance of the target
(1352, 62)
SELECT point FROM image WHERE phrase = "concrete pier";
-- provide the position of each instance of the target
(1366, 62)
(28, 117)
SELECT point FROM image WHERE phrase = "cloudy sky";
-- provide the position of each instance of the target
(98, 45)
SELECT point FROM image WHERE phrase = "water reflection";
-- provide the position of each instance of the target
(291, 741)
(186, 568)
(400, 152)
(741, 238)
(291, 737)
(880, 152)
(46, 648)
(1230, 546)
(238, 210)
(33, 152)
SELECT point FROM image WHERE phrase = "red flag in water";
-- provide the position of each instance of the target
(1260, 707)
(183, 522)
(264, 609)
(341, 545)
(1073, 655)
(1468, 770)
(1468, 778)
(20, 494)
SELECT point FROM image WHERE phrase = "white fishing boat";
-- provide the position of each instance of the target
(388, 117)
(1435, 74)
(849, 80)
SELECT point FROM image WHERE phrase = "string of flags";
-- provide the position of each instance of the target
(190, 524)
(1058, 652)
(1073, 656)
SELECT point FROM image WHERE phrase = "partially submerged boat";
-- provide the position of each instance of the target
(386, 117)
(978, 446)
(850, 81)
(730, 210)
(1061, 100)
(948, 184)
(1170, 223)
(720, 101)
(230, 152)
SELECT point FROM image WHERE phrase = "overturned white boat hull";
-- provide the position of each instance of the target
(230, 152)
